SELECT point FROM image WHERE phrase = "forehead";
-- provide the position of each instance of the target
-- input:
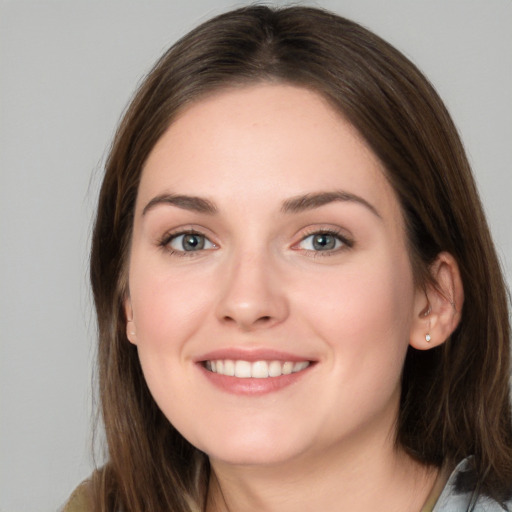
(263, 142)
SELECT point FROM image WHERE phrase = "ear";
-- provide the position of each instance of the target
(131, 333)
(438, 307)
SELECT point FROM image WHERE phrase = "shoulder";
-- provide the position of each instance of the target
(452, 500)
(80, 500)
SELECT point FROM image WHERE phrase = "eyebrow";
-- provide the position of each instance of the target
(293, 205)
(315, 200)
(195, 204)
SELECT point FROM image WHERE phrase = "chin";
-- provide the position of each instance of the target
(258, 447)
(252, 456)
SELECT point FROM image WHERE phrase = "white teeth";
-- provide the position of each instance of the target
(287, 368)
(229, 368)
(274, 369)
(257, 369)
(297, 367)
(243, 369)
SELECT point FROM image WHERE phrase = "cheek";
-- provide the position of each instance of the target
(363, 317)
(168, 306)
(169, 309)
(365, 311)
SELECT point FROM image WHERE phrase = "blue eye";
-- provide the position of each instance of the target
(322, 241)
(189, 242)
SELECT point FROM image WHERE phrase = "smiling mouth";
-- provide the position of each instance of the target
(254, 369)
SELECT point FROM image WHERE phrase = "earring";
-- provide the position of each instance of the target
(425, 314)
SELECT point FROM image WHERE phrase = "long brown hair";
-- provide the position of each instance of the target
(455, 400)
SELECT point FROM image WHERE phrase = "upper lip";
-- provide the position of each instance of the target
(245, 354)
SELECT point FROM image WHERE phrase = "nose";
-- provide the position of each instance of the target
(252, 294)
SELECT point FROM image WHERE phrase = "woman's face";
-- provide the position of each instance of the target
(269, 282)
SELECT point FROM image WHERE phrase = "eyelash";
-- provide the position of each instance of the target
(346, 243)
(169, 237)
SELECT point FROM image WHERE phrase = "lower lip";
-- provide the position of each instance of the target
(252, 386)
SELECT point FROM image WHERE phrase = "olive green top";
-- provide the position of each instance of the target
(80, 500)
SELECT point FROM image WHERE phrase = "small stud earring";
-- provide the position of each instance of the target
(427, 336)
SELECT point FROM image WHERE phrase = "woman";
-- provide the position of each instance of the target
(299, 303)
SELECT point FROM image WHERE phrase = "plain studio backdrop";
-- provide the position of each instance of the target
(67, 70)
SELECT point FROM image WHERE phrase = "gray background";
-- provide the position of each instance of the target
(67, 69)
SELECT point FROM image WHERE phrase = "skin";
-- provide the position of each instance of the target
(325, 442)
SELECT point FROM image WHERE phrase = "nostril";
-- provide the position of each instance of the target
(246, 323)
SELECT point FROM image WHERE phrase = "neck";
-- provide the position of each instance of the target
(341, 480)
